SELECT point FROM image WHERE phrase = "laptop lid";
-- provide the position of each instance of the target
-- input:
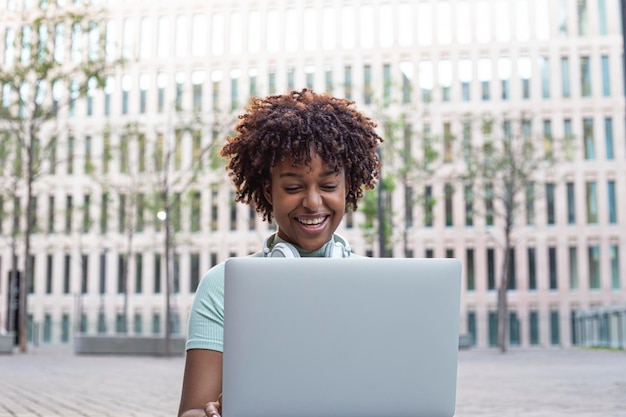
(365, 337)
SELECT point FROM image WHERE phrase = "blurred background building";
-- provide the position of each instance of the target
(190, 67)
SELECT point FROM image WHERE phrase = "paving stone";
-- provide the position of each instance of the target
(540, 382)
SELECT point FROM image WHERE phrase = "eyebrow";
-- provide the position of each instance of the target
(323, 174)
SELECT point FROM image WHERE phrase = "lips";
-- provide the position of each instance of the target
(312, 221)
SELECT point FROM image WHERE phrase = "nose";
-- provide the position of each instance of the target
(312, 199)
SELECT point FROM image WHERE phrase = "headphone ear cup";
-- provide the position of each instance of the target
(336, 250)
(283, 250)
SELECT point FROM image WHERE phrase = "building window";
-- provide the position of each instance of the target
(583, 18)
(102, 324)
(449, 194)
(406, 69)
(194, 278)
(47, 328)
(612, 200)
(565, 79)
(428, 206)
(448, 139)
(67, 264)
(504, 74)
(593, 252)
(550, 210)
(530, 203)
(471, 326)
(602, 17)
(573, 267)
(525, 73)
(108, 90)
(591, 202)
(138, 324)
(49, 274)
(84, 274)
(544, 65)
(252, 82)
(568, 139)
(484, 75)
(272, 81)
(126, 86)
(493, 328)
(103, 272)
(70, 154)
(156, 323)
(144, 84)
(328, 80)
(465, 77)
(157, 273)
(176, 274)
(309, 73)
(121, 274)
(606, 76)
(51, 211)
(291, 78)
(214, 207)
(514, 329)
(614, 256)
(469, 205)
(425, 74)
(489, 209)
(234, 89)
(347, 81)
(196, 204)
(469, 269)
(532, 269)
(571, 203)
(589, 145)
(386, 85)
(608, 138)
(161, 84)
(491, 269)
(233, 211)
(533, 327)
(444, 74)
(552, 268)
(555, 332)
(585, 76)
(367, 84)
(511, 276)
(69, 212)
(138, 273)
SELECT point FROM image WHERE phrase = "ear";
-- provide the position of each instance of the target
(267, 191)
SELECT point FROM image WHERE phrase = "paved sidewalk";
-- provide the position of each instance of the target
(52, 381)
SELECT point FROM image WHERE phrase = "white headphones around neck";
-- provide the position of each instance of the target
(339, 248)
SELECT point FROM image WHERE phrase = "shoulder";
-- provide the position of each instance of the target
(214, 277)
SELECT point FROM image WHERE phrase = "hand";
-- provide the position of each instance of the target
(214, 409)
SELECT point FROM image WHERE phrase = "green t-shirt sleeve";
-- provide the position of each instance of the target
(206, 321)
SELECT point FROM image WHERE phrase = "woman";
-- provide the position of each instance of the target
(300, 159)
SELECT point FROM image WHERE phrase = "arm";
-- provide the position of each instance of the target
(202, 382)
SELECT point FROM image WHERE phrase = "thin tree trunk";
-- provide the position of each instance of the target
(26, 278)
(503, 309)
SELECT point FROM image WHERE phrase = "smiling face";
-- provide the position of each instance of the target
(308, 202)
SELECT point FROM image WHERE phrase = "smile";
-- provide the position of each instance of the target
(312, 222)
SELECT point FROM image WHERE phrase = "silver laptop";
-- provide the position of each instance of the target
(362, 337)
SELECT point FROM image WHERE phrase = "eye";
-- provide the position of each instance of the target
(330, 187)
(292, 188)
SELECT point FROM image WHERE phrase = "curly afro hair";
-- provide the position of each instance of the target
(295, 125)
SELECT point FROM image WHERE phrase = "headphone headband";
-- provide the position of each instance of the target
(338, 248)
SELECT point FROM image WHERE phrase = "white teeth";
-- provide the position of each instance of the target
(311, 222)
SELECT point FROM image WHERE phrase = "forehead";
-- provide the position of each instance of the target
(317, 166)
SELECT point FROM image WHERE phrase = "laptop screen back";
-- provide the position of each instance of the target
(363, 337)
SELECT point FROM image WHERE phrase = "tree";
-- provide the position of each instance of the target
(172, 178)
(409, 158)
(39, 81)
(502, 168)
